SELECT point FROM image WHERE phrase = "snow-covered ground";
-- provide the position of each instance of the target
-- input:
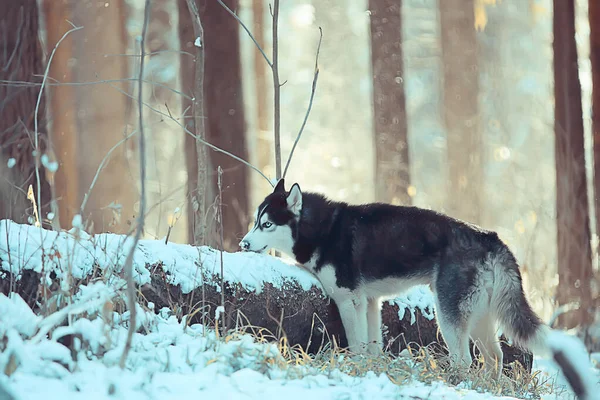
(172, 361)
(169, 359)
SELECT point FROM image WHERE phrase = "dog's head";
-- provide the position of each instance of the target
(273, 221)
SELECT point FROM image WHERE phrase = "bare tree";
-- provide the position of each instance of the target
(392, 170)
(573, 230)
(460, 99)
(21, 68)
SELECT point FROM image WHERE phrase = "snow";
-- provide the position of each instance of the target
(419, 297)
(51, 166)
(174, 361)
(198, 42)
(77, 253)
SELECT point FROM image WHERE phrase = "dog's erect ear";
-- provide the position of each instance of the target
(294, 199)
(280, 187)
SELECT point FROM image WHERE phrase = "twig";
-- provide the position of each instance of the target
(100, 168)
(276, 92)
(310, 103)
(131, 303)
(38, 156)
(4, 82)
(247, 31)
(220, 186)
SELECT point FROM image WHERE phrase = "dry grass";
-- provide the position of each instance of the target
(425, 364)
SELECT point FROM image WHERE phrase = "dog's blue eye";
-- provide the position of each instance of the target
(267, 224)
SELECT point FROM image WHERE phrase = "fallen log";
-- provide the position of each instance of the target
(262, 294)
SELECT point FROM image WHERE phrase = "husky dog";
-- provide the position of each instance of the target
(363, 254)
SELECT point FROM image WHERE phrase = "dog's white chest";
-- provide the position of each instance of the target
(328, 280)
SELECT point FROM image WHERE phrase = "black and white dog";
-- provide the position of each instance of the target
(363, 254)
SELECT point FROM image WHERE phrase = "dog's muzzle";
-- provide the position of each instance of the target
(245, 245)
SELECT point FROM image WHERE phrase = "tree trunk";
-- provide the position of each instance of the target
(461, 116)
(392, 169)
(63, 129)
(263, 139)
(20, 61)
(594, 16)
(197, 200)
(225, 122)
(102, 116)
(573, 231)
(186, 72)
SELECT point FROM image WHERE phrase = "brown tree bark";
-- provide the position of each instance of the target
(225, 122)
(594, 17)
(461, 116)
(392, 168)
(62, 106)
(102, 116)
(573, 230)
(264, 151)
(21, 68)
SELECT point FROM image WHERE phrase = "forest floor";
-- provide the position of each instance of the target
(170, 358)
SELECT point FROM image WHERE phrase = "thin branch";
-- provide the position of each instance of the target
(247, 31)
(276, 92)
(131, 303)
(4, 82)
(204, 142)
(310, 103)
(220, 186)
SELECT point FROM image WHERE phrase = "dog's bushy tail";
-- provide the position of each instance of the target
(519, 322)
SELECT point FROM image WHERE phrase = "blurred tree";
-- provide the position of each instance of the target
(594, 16)
(392, 169)
(166, 189)
(461, 116)
(84, 140)
(21, 71)
(225, 124)
(573, 229)
(62, 105)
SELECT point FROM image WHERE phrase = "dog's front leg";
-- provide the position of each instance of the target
(353, 311)
(374, 326)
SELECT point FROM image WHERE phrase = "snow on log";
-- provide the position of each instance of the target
(263, 294)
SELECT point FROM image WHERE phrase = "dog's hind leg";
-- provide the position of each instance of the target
(455, 334)
(483, 333)
(374, 325)
(353, 311)
(453, 294)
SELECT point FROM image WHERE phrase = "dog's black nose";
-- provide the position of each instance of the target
(244, 245)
